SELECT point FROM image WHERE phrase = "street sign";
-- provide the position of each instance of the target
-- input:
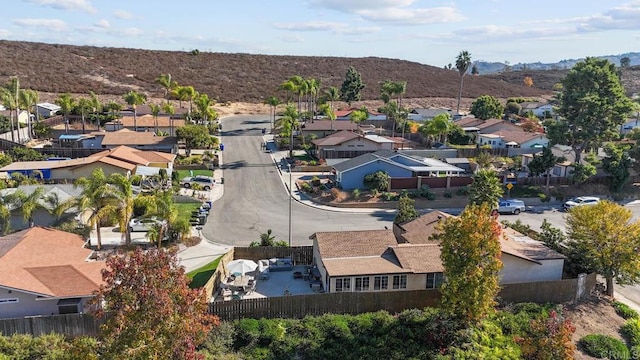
(509, 186)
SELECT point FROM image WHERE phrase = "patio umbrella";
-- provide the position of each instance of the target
(241, 266)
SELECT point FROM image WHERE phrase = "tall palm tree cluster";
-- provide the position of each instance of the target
(305, 91)
(203, 103)
(14, 99)
(391, 93)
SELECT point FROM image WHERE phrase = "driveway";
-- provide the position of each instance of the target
(255, 199)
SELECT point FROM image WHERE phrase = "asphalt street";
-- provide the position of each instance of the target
(255, 199)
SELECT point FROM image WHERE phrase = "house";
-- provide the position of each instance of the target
(426, 114)
(350, 173)
(462, 163)
(323, 128)
(144, 123)
(145, 109)
(377, 119)
(406, 258)
(46, 109)
(41, 216)
(474, 125)
(138, 140)
(347, 144)
(45, 271)
(630, 125)
(539, 109)
(502, 139)
(563, 168)
(23, 115)
(123, 160)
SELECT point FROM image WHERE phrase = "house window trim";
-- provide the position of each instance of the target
(400, 284)
(345, 284)
(381, 285)
(6, 301)
(365, 283)
(435, 284)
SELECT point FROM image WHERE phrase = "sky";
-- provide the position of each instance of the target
(430, 32)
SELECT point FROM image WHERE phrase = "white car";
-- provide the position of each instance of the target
(144, 223)
(580, 201)
(206, 182)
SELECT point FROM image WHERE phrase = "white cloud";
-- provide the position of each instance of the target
(625, 17)
(122, 14)
(359, 30)
(413, 16)
(103, 24)
(310, 26)
(5, 33)
(82, 5)
(47, 24)
(129, 32)
(355, 6)
(295, 38)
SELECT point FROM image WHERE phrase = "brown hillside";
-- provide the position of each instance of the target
(226, 77)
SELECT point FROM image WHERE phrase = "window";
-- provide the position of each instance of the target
(8, 301)
(381, 282)
(399, 281)
(434, 280)
(362, 284)
(343, 284)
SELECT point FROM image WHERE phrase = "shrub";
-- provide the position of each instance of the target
(602, 346)
(544, 198)
(306, 187)
(431, 196)
(388, 196)
(464, 191)
(336, 194)
(631, 329)
(315, 181)
(625, 311)
(448, 195)
(375, 193)
(191, 241)
(356, 193)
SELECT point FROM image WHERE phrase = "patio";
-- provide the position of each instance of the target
(279, 283)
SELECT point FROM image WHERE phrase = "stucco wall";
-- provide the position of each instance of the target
(27, 305)
(40, 218)
(84, 171)
(360, 144)
(353, 179)
(414, 282)
(516, 270)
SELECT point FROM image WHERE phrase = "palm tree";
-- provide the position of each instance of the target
(165, 210)
(66, 103)
(28, 99)
(7, 203)
(463, 61)
(29, 203)
(186, 93)
(332, 94)
(290, 89)
(134, 98)
(267, 239)
(358, 116)
(9, 95)
(273, 102)
(84, 106)
(442, 125)
(204, 107)
(328, 111)
(399, 88)
(95, 199)
(392, 111)
(113, 108)
(165, 81)
(121, 192)
(312, 87)
(289, 122)
(155, 111)
(57, 207)
(96, 107)
(169, 110)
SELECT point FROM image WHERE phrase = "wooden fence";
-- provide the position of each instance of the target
(300, 306)
(301, 255)
(69, 324)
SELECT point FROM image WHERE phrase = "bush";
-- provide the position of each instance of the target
(631, 329)
(544, 198)
(336, 194)
(448, 195)
(356, 193)
(431, 196)
(306, 187)
(602, 346)
(464, 191)
(315, 181)
(191, 241)
(625, 311)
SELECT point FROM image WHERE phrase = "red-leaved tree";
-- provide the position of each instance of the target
(150, 311)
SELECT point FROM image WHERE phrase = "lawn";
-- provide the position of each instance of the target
(184, 173)
(185, 209)
(200, 276)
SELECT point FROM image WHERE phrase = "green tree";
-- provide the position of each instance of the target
(96, 107)
(133, 99)
(582, 172)
(58, 207)
(152, 313)
(616, 164)
(542, 163)
(406, 210)
(487, 107)
(592, 106)
(9, 96)
(485, 188)
(83, 106)
(512, 108)
(470, 253)
(441, 125)
(186, 93)
(625, 62)
(169, 110)
(95, 199)
(463, 61)
(358, 116)
(351, 86)
(332, 94)
(120, 192)
(474, 70)
(608, 241)
(266, 239)
(204, 108)
(7, 204)
(378, 180)
(28, 203)
(66, 103)
(194, 136)
(28, 99)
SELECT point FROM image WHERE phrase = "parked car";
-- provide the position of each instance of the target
(205, 181)
(144, 223)
(580, 201)
(511, 206)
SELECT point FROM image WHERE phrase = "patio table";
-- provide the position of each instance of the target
(242, 281)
